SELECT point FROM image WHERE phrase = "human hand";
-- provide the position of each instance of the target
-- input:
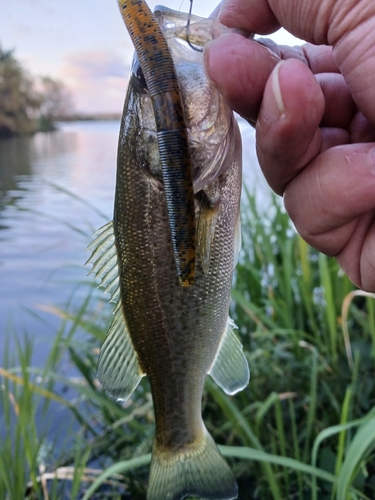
(314, 112)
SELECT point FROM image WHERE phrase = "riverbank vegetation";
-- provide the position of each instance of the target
(28, 104)
(304, 428)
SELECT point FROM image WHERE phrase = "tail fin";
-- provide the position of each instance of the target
(198, 470)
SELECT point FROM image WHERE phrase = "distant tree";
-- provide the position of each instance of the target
(56, 102)
(18, 99)
(24, 108)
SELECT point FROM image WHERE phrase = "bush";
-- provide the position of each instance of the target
(24, 109)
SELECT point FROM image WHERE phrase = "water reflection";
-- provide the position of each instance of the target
(44, 226)
(19, 154)
(14, 162)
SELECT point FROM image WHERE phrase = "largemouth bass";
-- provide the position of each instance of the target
(174, 334)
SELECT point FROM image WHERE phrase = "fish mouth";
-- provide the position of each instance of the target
(161, 80)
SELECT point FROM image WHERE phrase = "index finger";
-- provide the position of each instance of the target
(240, 68)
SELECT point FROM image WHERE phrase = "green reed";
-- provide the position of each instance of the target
(304, 428)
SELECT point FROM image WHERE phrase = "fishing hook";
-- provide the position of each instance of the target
(187, 29)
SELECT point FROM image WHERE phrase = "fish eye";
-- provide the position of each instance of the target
(137, 76)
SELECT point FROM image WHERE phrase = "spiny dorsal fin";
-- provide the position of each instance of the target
(104, 261)
(230, 369)
(119, 371)
(206, 229)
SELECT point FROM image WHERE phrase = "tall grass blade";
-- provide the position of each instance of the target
(245, 431)
(311, 414)
(330, 307)
(344, 316)
(362, 444)
(118, 468)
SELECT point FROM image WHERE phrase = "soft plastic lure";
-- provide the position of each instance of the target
(162, 84)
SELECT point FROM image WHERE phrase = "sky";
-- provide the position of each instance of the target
(83, 43)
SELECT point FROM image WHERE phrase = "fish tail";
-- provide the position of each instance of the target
(198, 469)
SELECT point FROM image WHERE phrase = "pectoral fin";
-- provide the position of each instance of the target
(118, 368)
(206, 230)
(230, 369)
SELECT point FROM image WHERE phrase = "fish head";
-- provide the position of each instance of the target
(210, 122)
(213, 137)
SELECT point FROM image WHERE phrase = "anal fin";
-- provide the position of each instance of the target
(230, 369)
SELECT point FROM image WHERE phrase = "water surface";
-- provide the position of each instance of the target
(45, 227)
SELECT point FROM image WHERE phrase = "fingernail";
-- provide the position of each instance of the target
(276, 88)
(274, 108)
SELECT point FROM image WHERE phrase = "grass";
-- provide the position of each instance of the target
(303, 429)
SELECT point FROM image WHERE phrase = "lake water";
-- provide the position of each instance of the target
(56, 189)
(45, 227)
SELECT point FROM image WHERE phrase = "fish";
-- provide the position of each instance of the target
(174, 333)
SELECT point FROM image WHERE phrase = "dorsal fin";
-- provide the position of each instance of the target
(104, 261)
(119, 371)
(230, 369)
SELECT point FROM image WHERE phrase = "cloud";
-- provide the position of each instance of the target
(97, 80)
(95, 64)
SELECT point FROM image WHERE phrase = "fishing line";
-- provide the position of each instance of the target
(187, 29)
